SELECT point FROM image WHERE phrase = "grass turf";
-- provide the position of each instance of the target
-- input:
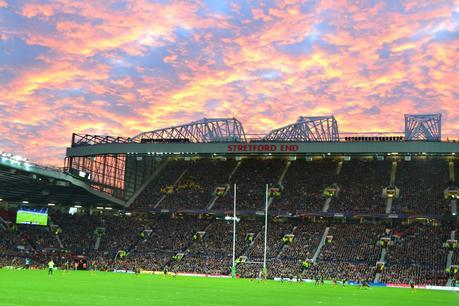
(102, 288)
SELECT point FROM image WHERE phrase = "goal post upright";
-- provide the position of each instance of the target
(233, 268)
(266, 229)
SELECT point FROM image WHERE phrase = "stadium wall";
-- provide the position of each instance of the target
(278, 148)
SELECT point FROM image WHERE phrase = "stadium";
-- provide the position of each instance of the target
(202, 213)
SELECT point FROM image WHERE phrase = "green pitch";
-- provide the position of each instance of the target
(100, 288)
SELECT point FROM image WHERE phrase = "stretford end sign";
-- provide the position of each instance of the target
(266, 148)
(236, 148)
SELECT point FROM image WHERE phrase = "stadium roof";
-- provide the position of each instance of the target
(418, 127)
(26, 183)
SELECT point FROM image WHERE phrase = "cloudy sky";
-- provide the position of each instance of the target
(121, 67)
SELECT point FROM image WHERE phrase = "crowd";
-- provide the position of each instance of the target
(352, 252)
(285, 268)
(305, 242)
(218, 239)
(39, 238)
(21, 242)
(276, 231)
(342, 270)
(251, 178)
(353, 242)
(285, 259)
(77, 231)
(361, 183)
(196, 188)
(10, 240)
(417, 254)
(122, 233)
(170, 235)
(421, 184)
(203, 264)
(157, 187)
(303, 185)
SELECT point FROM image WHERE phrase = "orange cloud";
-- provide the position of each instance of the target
(121, 67)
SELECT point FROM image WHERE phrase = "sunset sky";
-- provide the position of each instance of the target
(121, 67)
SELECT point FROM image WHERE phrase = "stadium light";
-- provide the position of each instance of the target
(108, 208)
(25, 202)
(99, 207)
(1, 199)
(77, 206)
(18, 158)
(51, 204)
(229, 218)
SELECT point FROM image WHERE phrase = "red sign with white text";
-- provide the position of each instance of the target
(240, 148)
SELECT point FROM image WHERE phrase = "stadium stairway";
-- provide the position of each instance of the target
(215, 198)
(381, 258)
(326, 204)
(212, 202)
(280, 180)
(321, 244)
(450, 258)
(205, 229)
(285, 246)
(234, 170)
(328, 201)
(452, 175)
(377, 277)
(284, 172)
(393, 173)
(187, 248)
(30, 242)
(257, 236)
(147, 182)
(389, 202)
(2, 223)
(175, 184)
(454, 207)
(97, 244)
(59, 241)
(134, 246)
(452, 179)
(339, 167)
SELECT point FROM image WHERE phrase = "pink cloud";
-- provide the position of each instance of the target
(147, 65)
